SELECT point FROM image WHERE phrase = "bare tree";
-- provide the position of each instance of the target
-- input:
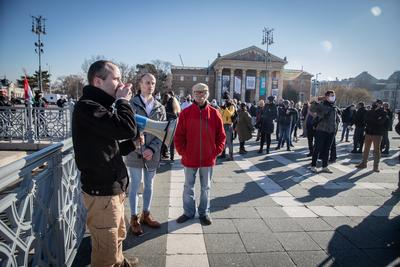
(86, 64)
(70, 85)
(346, 96)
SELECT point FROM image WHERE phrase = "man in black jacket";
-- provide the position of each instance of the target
(97, 131)
(359, 122)
(385, 144)
(375, 120)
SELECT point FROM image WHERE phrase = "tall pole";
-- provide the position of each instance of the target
(39, 28)
(267, 39)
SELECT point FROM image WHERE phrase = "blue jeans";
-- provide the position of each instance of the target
(284, 135)
(189, 207)
(136, 177)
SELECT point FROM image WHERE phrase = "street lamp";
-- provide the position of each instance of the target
(38, 28)
(48, 65)
(315, 84)
(267, 39)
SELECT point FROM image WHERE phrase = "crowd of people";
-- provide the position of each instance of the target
(114, 157)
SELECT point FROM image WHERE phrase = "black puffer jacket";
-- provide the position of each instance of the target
(359, 118)
(266, 119)
(96, 131)
(376, 122)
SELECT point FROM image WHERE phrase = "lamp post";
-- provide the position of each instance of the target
(48, 65)
(38, 28)
(267, 39)
(315, 85)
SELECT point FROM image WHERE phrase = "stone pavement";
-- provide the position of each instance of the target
(270, 210)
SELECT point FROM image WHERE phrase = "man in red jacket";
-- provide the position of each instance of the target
(199, 139)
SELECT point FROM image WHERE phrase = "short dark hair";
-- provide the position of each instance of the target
(361, 104)
(378, 101)
(329, 92)
(100, 69)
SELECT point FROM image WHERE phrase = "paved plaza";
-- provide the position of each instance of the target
(270, 210)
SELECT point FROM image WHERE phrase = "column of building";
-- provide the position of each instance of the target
(243, 89)
(231, 83)
(218, 83)
(269, 82)
(257, 91)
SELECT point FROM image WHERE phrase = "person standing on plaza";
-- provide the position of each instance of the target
(385, 145)
(144, 161)
(375, 125)
(325, 125)
(260, 108)
(228, 111)
(187, 102)
(97, 133)
(244, 127)
(285, 117)
(266, 123)
(359, 131)
(199, 139)
(347, 119)
(172, 109)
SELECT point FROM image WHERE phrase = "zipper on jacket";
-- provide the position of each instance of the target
(201, 120)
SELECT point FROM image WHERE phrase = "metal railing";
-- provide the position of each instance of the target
(42, 217)
(34, 124)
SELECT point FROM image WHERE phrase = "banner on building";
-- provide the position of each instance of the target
(274, 83)
(275, 92)
(263, 87)
(225, 83)
(238, 84)
(250, 83)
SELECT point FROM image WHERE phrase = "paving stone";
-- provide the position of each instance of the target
(351, 257)
(283, 225)
(313, 224)
(384, 257)
(185, 244)
(281, 259)
(351, 211)
(311, 258)
(330, 240)
(296, 241)
(150, 260)
(296, 212)
(220, 226)
(188, 227)
(237, 259)
(325, 211)
(361, 237)
(186, 260)
(251, 226)
(141, 245)
(223, 243)
(271, 212)
(260, 242)
(243, 212)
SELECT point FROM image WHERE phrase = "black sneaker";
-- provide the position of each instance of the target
(183, 218)
(205, 220)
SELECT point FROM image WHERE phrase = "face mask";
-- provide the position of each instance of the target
(332, 99)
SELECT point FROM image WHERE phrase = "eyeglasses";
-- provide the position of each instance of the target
(200, 92)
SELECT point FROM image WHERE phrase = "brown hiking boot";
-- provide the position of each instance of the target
(146, 218)
(361, 166)
(135, 225)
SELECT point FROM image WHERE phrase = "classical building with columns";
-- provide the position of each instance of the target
(245, 74)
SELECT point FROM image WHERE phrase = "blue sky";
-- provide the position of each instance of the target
(335, 37)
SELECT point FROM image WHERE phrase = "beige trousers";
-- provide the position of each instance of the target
(106, 223)
(376, 140)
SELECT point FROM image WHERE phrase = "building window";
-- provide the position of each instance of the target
(182, 78)
(206, 78)
(194, 78)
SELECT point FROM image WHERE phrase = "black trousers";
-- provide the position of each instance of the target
(358, 139)
(323, 144)
(265, 137)
(310, 139)
(385, 145)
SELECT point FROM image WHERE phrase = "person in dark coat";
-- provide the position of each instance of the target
(266, 121)
(244, 127)
(285, 117)
(310, 130)
(260, 108)
(385, 145)
(359, 131)
(376, 123)
(347, 118)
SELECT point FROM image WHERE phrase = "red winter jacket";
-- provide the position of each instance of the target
(199, 136)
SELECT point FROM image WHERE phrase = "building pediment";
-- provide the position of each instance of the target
(252, 53)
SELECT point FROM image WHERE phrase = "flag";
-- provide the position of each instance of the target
(27, 90)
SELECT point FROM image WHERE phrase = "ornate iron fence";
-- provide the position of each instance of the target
(30, 124)
(42, 217)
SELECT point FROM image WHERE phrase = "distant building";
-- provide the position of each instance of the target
(299, 81)
(244, 74)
